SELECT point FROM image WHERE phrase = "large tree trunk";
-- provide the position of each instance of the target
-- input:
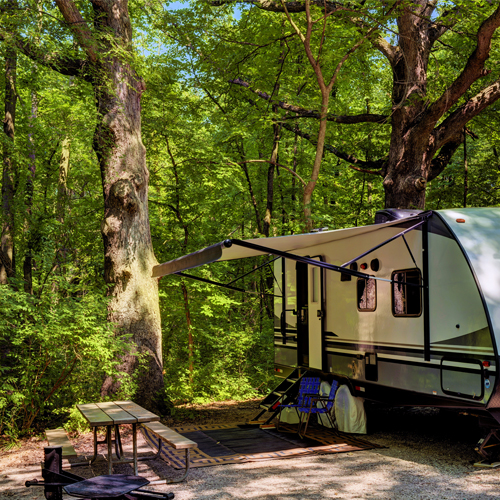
(7, 260)
(405, 180)
(128, 250)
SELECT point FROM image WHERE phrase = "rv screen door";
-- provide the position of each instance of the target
(309, 316)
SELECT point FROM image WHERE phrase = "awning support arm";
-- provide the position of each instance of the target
(210, 282)
(402, 233)
(409, 251)
(312, 262)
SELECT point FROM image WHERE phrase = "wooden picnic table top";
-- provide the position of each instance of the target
(116, 412)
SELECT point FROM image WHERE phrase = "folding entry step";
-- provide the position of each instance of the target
(284, 393)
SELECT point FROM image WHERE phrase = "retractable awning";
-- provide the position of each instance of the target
(298, 243)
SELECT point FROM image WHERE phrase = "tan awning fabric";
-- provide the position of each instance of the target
(296, 243)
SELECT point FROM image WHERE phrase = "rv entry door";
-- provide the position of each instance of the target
(310, 315)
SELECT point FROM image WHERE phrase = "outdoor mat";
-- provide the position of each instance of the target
(236, 444)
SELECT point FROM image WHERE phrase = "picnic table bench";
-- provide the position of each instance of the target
(113, 414)
(58, 437)
(179, 442)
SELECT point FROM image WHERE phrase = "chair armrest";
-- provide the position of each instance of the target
(322, 398)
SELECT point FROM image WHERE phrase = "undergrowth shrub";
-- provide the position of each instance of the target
(54, 352)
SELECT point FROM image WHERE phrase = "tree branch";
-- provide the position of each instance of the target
(439, 163)
(310, 113)
(62, 64)
(440, 26)
(474, 69)
(383, 46)
(79, 26)
(454, 123)
(366, 166)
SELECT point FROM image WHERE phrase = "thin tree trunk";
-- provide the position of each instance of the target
(466, 171)
(177, 210)
(309, 189)
(62, 185)
(250, 188)
(270, 178)
(30, 181)
(7, 262)
(190, 333)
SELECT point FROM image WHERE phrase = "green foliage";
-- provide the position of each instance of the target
(55, 350)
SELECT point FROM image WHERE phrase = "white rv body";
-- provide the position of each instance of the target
(424, 331)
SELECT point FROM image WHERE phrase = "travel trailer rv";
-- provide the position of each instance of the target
(405, 311)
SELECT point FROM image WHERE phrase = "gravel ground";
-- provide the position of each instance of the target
(429, 454)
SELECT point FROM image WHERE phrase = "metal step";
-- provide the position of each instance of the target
(286, 390)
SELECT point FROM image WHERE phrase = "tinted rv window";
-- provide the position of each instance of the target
(367, 294)
(406, 298)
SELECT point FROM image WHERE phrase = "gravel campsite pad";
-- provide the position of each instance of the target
(428, 454)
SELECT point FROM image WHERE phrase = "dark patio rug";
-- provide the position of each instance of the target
(233, 444)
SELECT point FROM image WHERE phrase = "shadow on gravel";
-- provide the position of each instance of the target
(448, 435)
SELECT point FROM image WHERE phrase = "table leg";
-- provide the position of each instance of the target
(95, 445)
(134, 438)
(110, 449)
(118, 443)
(92, 460)
(186, 472)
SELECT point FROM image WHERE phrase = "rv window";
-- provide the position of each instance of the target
(367, 294)
(407, 299)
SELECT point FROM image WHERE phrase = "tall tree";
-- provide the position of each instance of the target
(7, 261)
(103, 58)
(7, 256)
(426, 124)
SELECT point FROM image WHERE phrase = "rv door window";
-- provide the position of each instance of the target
(407, 293)
(367, 294)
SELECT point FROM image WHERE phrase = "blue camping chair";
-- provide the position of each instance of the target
(309, 388)
(326, 404)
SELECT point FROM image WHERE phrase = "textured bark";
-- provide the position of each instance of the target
(128, 249)
(7, 262)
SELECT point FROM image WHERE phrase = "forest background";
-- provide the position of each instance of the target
(258, 119)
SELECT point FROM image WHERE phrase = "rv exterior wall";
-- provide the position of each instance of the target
(382, 346)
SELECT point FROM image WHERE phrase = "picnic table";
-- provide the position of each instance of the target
(112, 415)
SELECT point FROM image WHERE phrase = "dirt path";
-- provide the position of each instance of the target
(429, 455)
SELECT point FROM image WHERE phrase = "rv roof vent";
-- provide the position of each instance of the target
(390, 214)
(319, 229)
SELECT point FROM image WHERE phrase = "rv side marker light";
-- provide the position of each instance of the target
(461, 220)
(486, 364)
(364, 266)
